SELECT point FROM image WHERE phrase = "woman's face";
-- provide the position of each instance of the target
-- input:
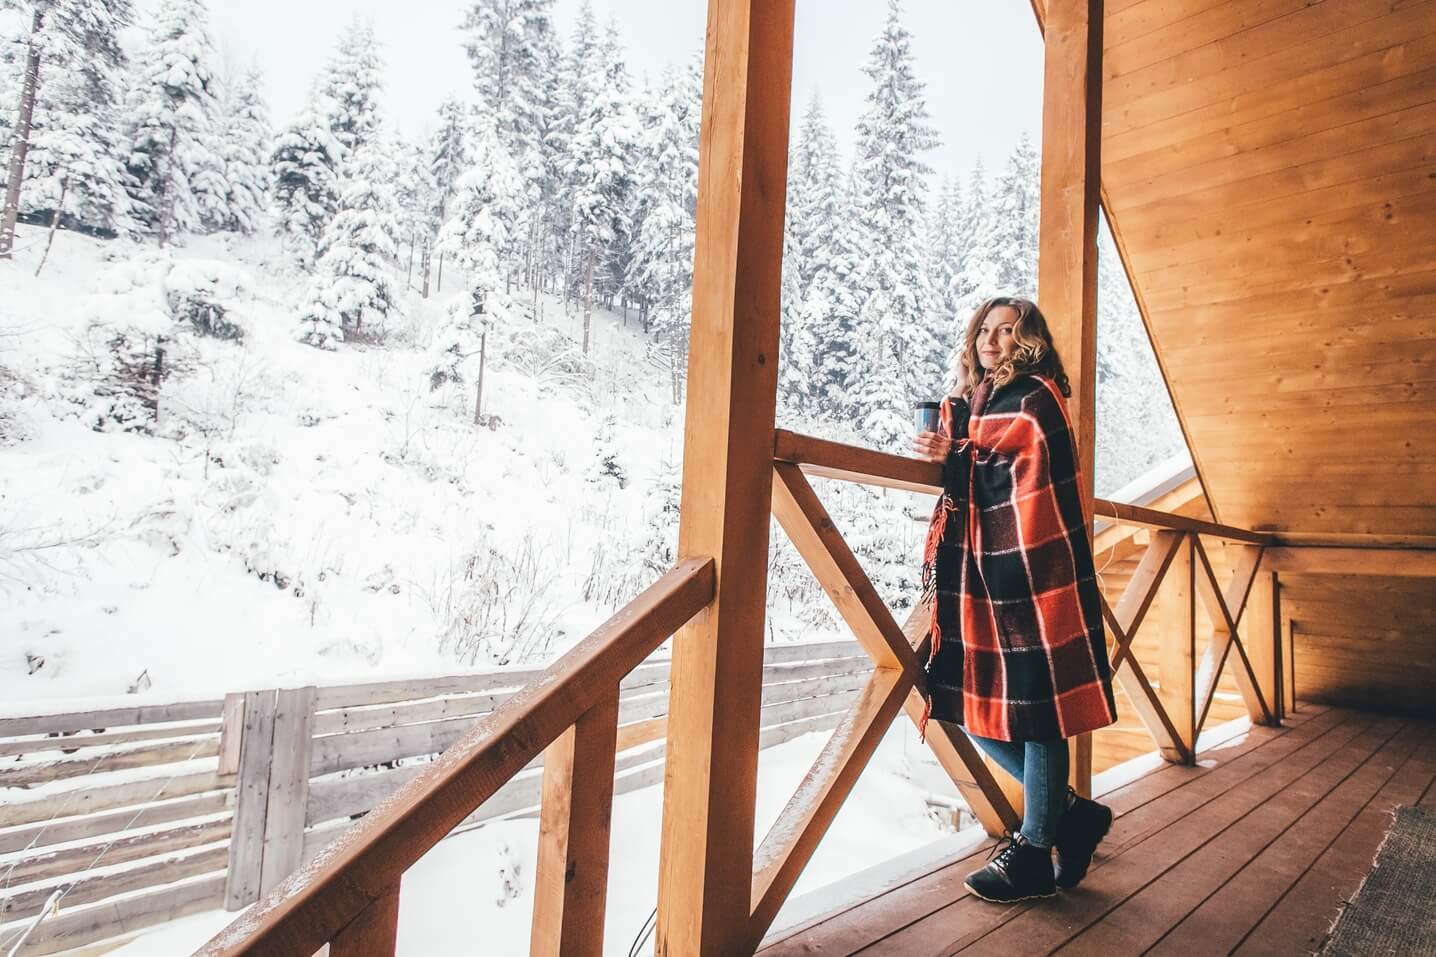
(994, 336)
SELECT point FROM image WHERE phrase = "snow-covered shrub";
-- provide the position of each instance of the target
(613, 578)
(14, 427)
(209, 295)
(496, 607)
(659, 549)
(545, 355)
(117, 375)
(607, 466)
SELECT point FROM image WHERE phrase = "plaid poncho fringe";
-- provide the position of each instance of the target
(1019, 652)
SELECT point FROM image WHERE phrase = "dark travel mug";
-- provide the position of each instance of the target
(926, 417)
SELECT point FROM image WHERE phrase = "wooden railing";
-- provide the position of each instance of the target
(348, 897)
(247, 788)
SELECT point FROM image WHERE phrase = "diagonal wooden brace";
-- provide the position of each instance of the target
(1224, 635)
(818, 540)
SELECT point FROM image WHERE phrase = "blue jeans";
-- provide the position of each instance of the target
(1041, 766)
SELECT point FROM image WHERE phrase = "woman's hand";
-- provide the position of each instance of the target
(932, 447)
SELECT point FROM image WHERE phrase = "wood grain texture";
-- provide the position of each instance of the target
(706, 850)
(571, 880)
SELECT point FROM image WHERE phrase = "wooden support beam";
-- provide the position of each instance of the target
(1132, 678)
(571, 880)
(246, 845)
(706, 852)
(794, 836)
(1288, 665)
(1262, 624)
(1071, 184)
(812, 532)
(1225, 639)
(1127, 671)
(1067, 234)
(1178, 650)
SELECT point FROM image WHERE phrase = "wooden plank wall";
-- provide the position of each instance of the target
(1267, 170)
(133, 790)
(1363, 641)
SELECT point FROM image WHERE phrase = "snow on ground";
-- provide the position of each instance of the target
(473, 894)
(300, 515)
(304, 516)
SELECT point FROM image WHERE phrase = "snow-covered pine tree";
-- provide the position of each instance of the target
(304, 183)
(516, 58)
(448, 160)
(617, 258)
(897, 318)
(1012, 233)
(663, 255)
(352, 83)
(599, 162)
(815, 190)
(511, 46)
(976, 276)
(176, 175)
(352, 293)
(579, 72)
(814, 187)
(482, 238)
(414, 197)
(795, 345)
(944, 245)
(243, 148)
(70, 166)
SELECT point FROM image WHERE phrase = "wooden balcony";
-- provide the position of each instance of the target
(1250, 852)
(1266, 168)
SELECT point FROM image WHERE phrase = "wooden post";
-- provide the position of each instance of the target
(288, 786)
(272, 794)
(231, 732)
(1177, 659)
(706, 854)
(1262, 623)
(1288, 662)
(1067, 259)
(246, 843)
(571, 883)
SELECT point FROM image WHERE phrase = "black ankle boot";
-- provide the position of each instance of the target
(1078, 833)
(1020, 871)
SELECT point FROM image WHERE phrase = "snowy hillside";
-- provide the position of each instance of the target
(305, 515)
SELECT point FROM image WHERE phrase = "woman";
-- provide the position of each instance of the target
(1019, 657)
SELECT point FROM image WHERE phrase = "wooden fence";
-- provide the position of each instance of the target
(144, 814)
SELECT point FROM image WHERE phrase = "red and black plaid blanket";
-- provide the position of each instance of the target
(1019, 649)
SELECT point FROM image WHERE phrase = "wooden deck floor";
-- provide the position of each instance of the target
(1248, 853)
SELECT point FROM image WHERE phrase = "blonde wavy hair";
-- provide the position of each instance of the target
(1033, 353)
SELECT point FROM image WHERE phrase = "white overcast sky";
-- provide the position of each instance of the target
(981, 59)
